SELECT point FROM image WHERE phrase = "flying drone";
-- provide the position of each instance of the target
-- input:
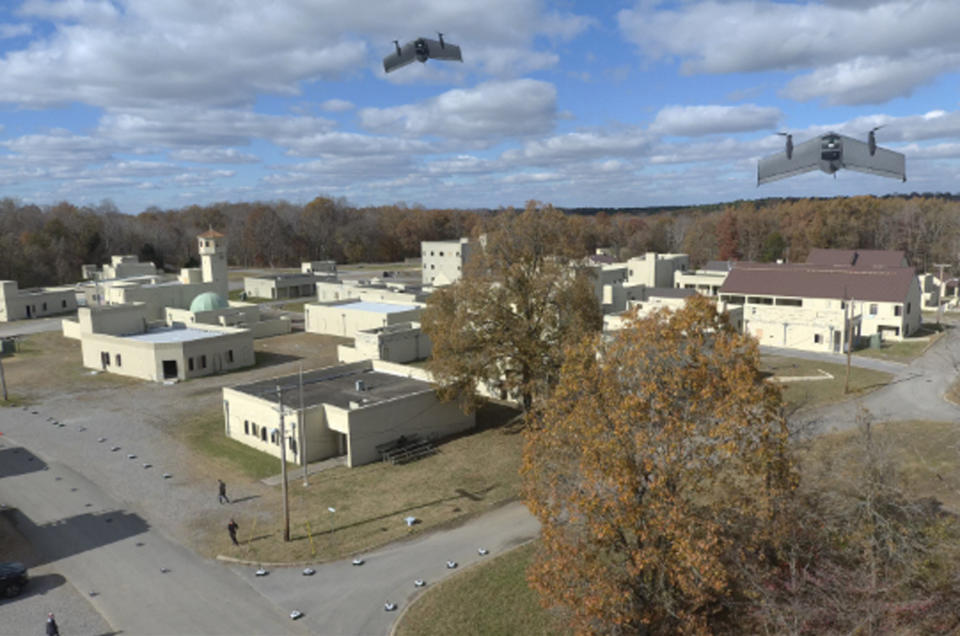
(831, 152)
(421, 50)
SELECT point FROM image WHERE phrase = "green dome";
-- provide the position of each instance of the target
(208, 301)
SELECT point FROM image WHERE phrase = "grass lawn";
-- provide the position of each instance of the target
(204, 433)
(508, 606)
(806, 394)
(909, 349)
(469, 475)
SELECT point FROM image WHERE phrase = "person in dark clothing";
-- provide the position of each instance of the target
(223, 491)
(232, 529)
(52, 629)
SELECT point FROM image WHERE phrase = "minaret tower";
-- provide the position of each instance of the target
(213, 259)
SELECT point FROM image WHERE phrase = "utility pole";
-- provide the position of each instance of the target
(303, 432)
(3, 381)
(283, 469)
(848, 316)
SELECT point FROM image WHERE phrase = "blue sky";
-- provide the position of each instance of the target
(611, 104)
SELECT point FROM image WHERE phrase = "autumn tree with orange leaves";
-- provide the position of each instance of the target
(656, 468)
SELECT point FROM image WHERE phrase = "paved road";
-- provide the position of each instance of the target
(38, 325)
(915, 393)
(345, 599)
(114, 556)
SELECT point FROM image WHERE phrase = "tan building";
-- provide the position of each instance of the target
(706, 281)
(348, 410)
(115, 320)
(443, 261)
(170, 353)
(402, 342)
(120, 266)
(648, 301)
(347, 317)
(805, 307)
(655, 270)
(279, 286)
(35, 302)
(209, 309)
(375, 291)
(157, 296)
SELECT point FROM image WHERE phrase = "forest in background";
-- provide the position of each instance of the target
(45, 245)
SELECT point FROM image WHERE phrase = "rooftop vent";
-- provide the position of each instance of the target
(361, 386)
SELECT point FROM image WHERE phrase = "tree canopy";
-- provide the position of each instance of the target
(505, 323)
(656, 467)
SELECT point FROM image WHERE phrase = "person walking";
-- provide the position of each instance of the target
(232, 528)
(223, 491)
(52, 629)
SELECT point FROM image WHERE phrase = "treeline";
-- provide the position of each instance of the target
(48, 244)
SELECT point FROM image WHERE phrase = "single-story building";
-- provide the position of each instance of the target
(120, 266)
(34, 302)
(348, 409)
(706, 281)
(401, 342)
(279, 286)
(347, 317)
(371, 290)
(210, 309)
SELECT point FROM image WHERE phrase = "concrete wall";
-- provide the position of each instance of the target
(381, 422)
(339, 319)
(347, 290)
(706, 283)
(252, 421)
(278, 288)
(403, 342)
(443, 261)
(157, 297)
(20, 304)
(655, 270)
(114, 320)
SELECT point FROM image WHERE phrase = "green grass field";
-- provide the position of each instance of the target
(800, 395)
(204, 433)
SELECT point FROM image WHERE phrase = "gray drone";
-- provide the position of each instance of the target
(420, 50)
(831, 152)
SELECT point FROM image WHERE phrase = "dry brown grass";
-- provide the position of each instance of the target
(469, 475)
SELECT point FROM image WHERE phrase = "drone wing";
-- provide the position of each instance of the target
(806, 157)
(885, 163)
(446, 52)
(395, 60)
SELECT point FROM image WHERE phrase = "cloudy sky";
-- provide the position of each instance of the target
(636, 103)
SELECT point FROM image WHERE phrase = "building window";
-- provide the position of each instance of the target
(230, 355)
(190, 364)
(203, 361)
(432, 266)
(908, 308)
(873, 309)
(63, 304)
(246, 427)
(817, 339)
(105, 358)
(44, 306)
(898, 310)
(273, 437)
(118, 360)
(263, 433)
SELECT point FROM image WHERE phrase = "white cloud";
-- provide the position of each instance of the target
(870, 80)
(213, 155)
(483, 114)
(579, 146)
(693, 121)
(351, 144)
(336, 105)
(14, 30)
(848, 43)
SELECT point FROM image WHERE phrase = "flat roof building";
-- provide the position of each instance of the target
(443, 261)
(348, 409)
(279, 286)
(347, 317)
(34, 302)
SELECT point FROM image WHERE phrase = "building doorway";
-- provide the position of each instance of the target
(836, 342)
(29, 314)
(169, 369)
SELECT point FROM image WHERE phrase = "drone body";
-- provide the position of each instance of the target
(829, 153)
(421, 50)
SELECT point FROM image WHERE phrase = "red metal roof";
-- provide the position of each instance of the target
(885, 284)
(857, 258)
